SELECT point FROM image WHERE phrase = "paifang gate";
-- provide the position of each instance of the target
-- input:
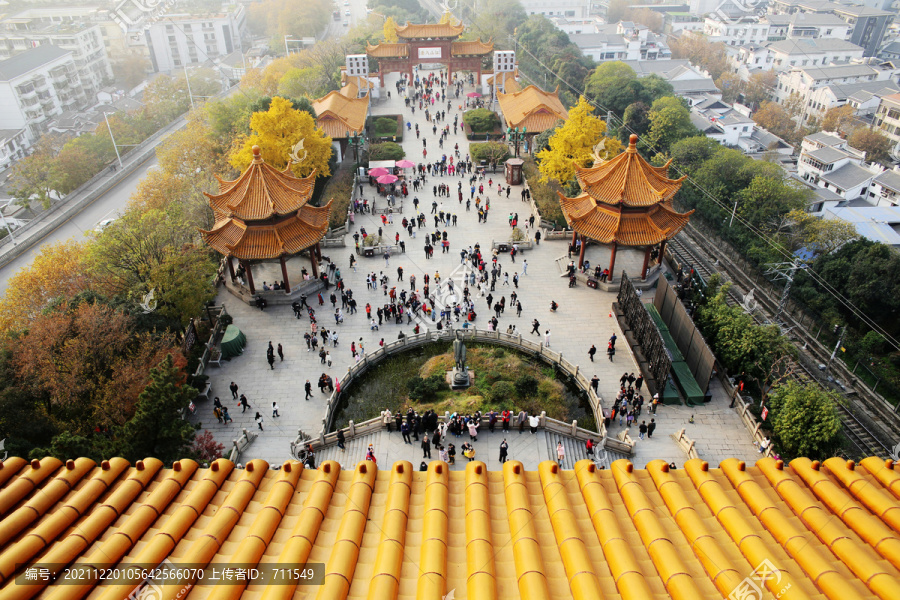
(429, 43)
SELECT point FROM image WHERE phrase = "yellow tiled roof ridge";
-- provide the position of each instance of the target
(818, 529)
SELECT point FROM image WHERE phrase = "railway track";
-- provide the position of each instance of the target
(688, 255)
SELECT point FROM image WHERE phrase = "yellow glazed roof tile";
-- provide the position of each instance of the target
(429, 30)
(336, 113)
(533, 108)
(819, 531)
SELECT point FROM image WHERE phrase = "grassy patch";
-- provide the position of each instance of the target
(544, 194)
(504, 379)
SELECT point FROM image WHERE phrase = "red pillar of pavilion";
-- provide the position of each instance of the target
(581, 252)
(646, 263)
(612, 262)
(314, 261)
(287, 283)
(246, 264)
(662, 251)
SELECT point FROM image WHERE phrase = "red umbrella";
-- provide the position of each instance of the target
(387, 179)
(405, 164)
(378, 172)
(473, 95)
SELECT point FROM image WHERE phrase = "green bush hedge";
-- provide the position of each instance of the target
(386, 151)
(481, 120)
(489, 151)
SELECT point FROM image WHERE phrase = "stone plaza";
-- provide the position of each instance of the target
(584, 318)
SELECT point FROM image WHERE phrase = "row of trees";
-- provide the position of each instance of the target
(60, 164)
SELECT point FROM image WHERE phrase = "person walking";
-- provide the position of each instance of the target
(592, 352)
(443, 454)
(244, 404)
(308, 388)
(612, 340)
(595, 384)
(611, 351)
(643, 429)
(533, 422)
(639, 382)
(342, 444)
(473, 431)
(234, 390)
(280, 353)
(589, 447)
(404, 430)
(426, 447)
(275, 410)
(547, 338)
(270, 357)
(225, 416)
(651, 427)
(535, 327)
(560, 453)
(523, 416)
(524, 267)
(504, 449)
(259, 421)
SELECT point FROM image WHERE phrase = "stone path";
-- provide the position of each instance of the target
(583, 319)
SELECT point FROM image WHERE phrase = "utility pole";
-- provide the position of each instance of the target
(188, 81)
(785, 271)
(115, 147)
(836, 346)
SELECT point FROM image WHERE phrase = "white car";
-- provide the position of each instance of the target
(103, 225)
(347, 13)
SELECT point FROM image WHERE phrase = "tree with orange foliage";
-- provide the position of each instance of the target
(88, 364)
(57, 272)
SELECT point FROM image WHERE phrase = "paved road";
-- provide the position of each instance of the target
(105, 207)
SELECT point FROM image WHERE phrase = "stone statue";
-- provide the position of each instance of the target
(460, 373)
(459, 353)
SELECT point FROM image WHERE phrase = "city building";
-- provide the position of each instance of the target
(181, 39)
(83, 39)
(822, 88)
(13, 146)
(807, 25)
(869, 25)
(622, 41)
(875, 223)
(571, 25)
(571, 9)
(686, 81)
(887, 118)
(885, 190)
(36, 85)
(736, 32)
(828, 162)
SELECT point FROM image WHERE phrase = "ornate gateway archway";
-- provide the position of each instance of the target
(429, 43)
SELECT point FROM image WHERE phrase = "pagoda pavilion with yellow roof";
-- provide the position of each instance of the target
(624, 201)
(265, 215)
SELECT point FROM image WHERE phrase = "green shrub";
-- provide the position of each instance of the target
(499, 353)
(502, 391)
(386, 151)
(496, 152)
(424, 389)
(385, 126)
(339, 189)
(481, 120)
(526, 385)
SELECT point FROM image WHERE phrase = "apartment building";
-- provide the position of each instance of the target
(887, 118)
(177, 40)
(13, 146)
(797, 52)
(824, 88)
(82, 38)
(869, 25)
(572, 9)
(736, 32)
(622, 41)
(828, 162)
(37, 85)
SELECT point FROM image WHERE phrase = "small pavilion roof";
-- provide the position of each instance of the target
(336, 114)
(507, 78)
(254, 241)
(429, 30)
(471, 48)
(261, 192)
(628, 179)
(386, 50)
(629, 227)
(532, 108)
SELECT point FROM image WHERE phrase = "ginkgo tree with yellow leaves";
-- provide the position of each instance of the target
(276, 131)
(574, 143)
(390, 31)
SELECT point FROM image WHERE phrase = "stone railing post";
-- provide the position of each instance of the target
(322, 437)
(352, 428)
(574, 428)
(543, 418)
